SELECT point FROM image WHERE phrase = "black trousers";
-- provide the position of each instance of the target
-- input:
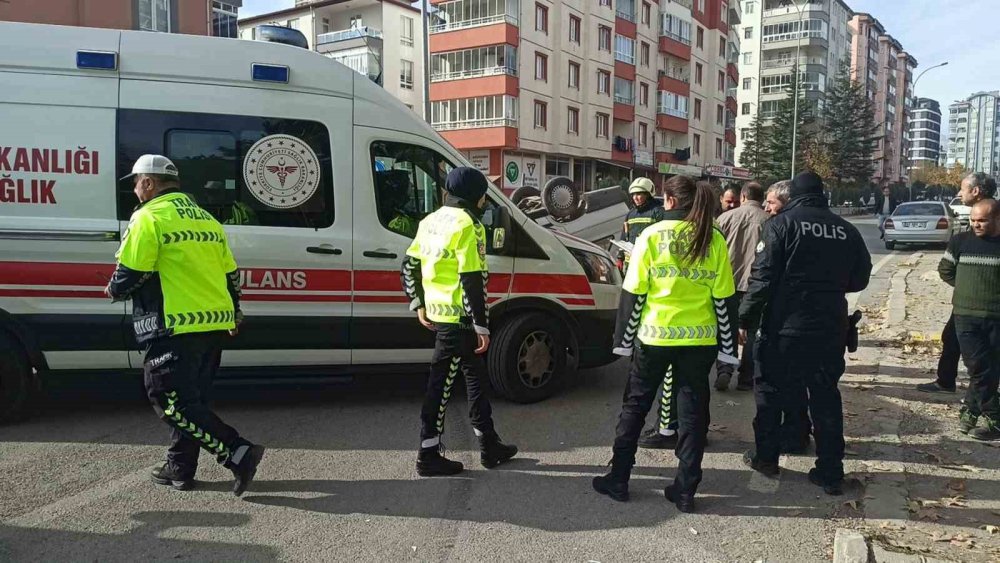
(454, 351)
(745, 370)
(980, 342)
(791, 368)
(178, 373)
(689, 366)
(951, 353)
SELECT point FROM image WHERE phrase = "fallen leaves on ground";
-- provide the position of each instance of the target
(993, 530)
(969, 468)
(693, 531)
(955, 502)
(852, 503)
(957, 485)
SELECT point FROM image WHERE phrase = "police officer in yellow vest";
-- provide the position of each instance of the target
(176, 266)
(678, 302)
(445, 277)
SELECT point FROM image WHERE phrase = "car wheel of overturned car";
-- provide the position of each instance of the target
(563, 200)
(524, 192)
(528, 359)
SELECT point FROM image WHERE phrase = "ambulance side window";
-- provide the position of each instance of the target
(409, 181)
(244, 170)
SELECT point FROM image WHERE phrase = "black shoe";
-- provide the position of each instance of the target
(834, 488)
(164, 475)
(612, 487)
(795, 447)
(744, 386)
(722, 382)
(966, 421)
(653, 440)
(493, 452)
(246, 469)
(934, 387)
(684, 503)
(990, 431)
(767, 469)
(430, 463)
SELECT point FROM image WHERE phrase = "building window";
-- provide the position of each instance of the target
(701, 6)
(748, 58)
(644, 94)
(747, 83)
(573, 121)
(470, 63)
(720, 112)
(718, 149)
(541, 18)
(574, 30)
(406, 74)
(356, 22)
(474, 113)
(624, 49)
(746, 109)
(697, 109)
(541, 115)
(326, 25)
(643, 134)
(624, 91)
(646, 13)
(605, 3)
(541, 67)
(154, 15)
(748, 33)
(644, 54)
(603, 82)
(224, 20)
(700, 38)
(698, 71)
(750, 7)
(673, 104)
(604, 38)
(406, 30)
(722, 81)
(293, 23)
(574, 75)
(696, 144)
(722, 47)
(602, 125)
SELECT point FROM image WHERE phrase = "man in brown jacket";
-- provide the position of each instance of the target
(742, 227)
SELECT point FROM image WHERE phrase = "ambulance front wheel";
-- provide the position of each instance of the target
(15, 379)
(528, 357)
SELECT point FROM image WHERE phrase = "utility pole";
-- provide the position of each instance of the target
(425, 23)
(913, 94)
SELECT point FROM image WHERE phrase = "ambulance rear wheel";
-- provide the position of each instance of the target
(15, 379)
(528, 357)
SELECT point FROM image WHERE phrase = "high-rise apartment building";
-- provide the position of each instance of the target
(973, 138)
(194, 17)
(881, 64)
(596, 90)
(925, 133)
(380, 39)
(779, 36)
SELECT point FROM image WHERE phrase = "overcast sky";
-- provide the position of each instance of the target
(962, 32)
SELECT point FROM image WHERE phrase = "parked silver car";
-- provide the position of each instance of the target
(921, 222)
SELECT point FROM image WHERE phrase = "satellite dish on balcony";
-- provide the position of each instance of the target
(281, 34)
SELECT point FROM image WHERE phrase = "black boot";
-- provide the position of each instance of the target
(834, 488)
(246, 469)
(795, 445)
(493, 452)
(431, 463)
(615, 483)
(168, 476)
(767, 469)
(683, 502)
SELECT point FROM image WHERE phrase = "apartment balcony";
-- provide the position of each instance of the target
(801, 40)
(731, 137)
(486, 133)
(672, 120)
(625, 18)
(624, 109)
(622, 149)
(471, 84)
(352, 38)
(818, 9)
(685, 3)
(735, 13)
(671, 155)
(454, 31)
(787, 63)
(675, 45)
(731, 104)
(677, 85)
(732, 72)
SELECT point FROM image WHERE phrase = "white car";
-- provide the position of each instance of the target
(920, 222)
(960, 210)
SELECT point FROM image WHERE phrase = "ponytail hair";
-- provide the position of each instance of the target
(699, 201)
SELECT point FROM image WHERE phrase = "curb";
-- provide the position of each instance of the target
(851, 546)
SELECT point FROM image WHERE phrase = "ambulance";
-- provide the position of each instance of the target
(306, 163)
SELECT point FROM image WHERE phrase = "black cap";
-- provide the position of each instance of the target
(466, 183)
(806, 183)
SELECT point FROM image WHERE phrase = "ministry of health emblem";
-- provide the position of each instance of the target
(281, 171)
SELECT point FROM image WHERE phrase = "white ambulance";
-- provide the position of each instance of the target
(305, 162)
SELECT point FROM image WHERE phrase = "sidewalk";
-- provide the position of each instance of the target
(927, 489)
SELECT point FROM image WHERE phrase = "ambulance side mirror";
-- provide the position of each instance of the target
(496, 219)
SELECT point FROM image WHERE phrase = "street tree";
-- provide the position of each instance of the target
(849, 131)
(778, 148)
(755, 143)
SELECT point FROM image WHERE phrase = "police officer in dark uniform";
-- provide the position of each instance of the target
(807, 261)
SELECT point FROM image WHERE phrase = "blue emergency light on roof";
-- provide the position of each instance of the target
(269, 73)
(99, 60)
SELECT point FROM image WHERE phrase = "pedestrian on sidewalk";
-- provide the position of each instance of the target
(809, 260)
(777, 197)
(975, 188)
(972, 266)
(445, 277)
(185, 299)
(677, 300)
(884, 207)
(742, 228)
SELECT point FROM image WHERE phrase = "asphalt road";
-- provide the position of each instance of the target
(338, 482)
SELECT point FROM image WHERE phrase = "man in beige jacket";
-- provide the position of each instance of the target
(742, 227)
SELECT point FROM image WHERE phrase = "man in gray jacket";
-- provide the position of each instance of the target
(742, 227)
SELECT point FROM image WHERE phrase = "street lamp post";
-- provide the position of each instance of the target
(913, 91)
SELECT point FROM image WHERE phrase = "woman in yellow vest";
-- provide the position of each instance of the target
(678, 302)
